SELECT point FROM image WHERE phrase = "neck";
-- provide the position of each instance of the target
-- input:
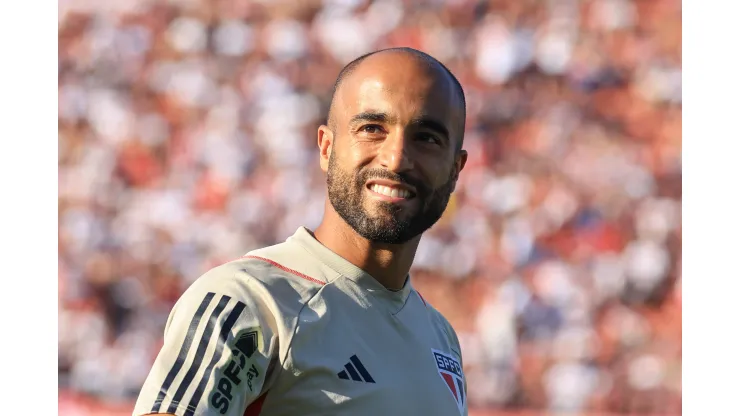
(389, 264)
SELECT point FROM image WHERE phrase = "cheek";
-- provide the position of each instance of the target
(360, 154)
(438, 174)
(352, 155)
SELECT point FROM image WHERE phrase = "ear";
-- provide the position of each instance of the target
(460, 160)
(325, 142)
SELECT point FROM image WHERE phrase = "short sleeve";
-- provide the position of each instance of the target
(218, 347)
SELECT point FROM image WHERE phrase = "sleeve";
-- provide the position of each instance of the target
(219, 345)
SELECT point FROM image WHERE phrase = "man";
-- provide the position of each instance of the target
(327, 323)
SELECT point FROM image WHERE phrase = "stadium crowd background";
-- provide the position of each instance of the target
(187, 137)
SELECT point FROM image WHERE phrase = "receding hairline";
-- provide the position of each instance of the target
(414, 53)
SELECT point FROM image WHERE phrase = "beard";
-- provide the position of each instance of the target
(389, 225)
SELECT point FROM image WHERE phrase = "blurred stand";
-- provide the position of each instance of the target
(187, 137)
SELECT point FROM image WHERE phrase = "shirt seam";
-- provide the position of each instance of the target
(289, 348)
(281, 360)
(338, 274)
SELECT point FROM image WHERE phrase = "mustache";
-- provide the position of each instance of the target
(376, 173)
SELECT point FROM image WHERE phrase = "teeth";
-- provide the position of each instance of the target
(391, 192)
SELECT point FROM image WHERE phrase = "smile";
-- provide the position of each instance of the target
(391, 192)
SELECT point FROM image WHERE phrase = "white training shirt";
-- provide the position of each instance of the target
(295, 329)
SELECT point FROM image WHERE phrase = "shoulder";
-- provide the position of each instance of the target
(440, 322)
(280, 277)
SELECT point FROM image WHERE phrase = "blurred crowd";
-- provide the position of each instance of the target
(187, 137)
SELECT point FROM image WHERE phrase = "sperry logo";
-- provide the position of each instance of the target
(244, 347)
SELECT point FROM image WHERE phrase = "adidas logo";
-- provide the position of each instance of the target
(356, 371)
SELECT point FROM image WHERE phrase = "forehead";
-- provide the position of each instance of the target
(402, 86)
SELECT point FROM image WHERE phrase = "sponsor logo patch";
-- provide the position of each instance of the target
(239, 369)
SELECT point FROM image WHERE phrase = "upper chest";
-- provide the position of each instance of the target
(353, 354)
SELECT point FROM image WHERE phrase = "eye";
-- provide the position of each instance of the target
(429, 138)
(371, 129)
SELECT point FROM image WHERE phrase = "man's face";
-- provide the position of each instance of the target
(394, 162)
(378, 219)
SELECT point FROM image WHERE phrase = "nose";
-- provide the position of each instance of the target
(393, 154)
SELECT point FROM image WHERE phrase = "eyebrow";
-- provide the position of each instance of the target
(376, 116)
(432, 124)
(383, 117)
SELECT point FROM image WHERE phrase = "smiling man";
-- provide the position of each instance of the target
(327, 323)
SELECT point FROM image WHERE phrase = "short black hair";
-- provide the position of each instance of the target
(350, 67)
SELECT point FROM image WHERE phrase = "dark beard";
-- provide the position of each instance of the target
(346, 194)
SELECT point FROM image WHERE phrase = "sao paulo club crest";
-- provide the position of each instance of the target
(450, 370)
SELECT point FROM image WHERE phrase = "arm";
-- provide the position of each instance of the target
(218, 346)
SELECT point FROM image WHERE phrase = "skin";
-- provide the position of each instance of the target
(415, 142)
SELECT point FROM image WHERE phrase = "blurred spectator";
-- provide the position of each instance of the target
(187, 138)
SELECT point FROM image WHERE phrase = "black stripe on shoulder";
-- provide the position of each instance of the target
(222, 337)
(198, 359)
(184, 349)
